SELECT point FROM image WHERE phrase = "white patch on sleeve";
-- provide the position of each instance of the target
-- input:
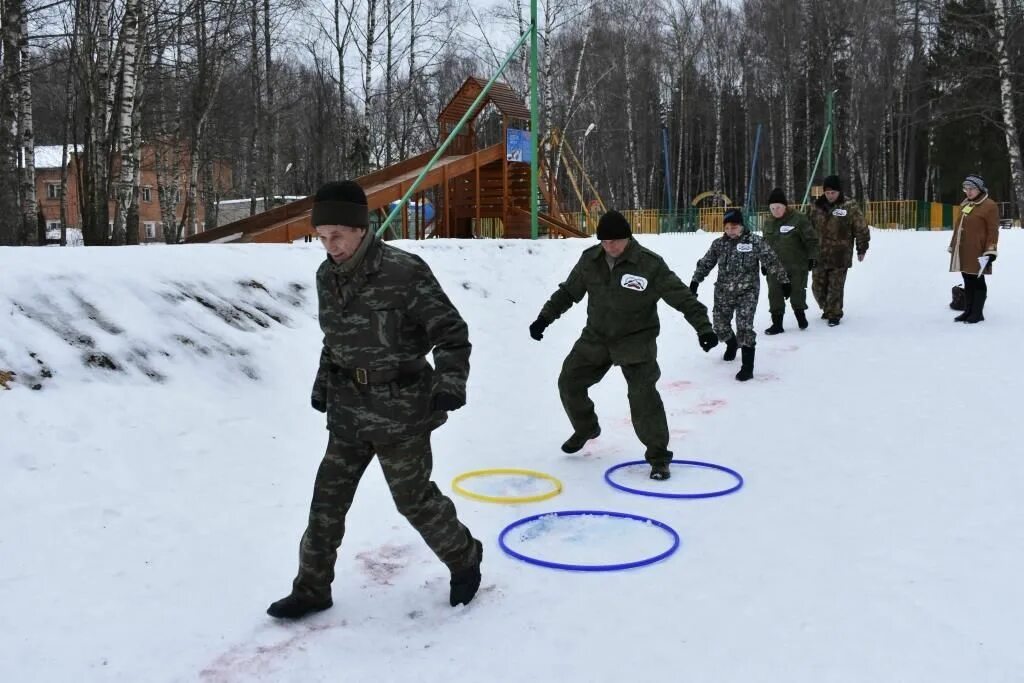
(745, 247)
(634, 282)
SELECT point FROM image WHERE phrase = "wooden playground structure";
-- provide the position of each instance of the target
(467, 187)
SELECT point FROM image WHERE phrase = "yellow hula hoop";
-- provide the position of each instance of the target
(506, 500)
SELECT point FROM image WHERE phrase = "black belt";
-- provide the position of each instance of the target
(404, 370)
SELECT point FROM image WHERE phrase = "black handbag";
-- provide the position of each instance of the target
(958, 303)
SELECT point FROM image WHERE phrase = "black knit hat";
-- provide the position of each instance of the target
(733, 216)
(778, 196)
(832, 182)
(613, 226)
(341, 203)
(977, 181)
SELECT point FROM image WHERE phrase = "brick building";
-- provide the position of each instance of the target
(48, 168)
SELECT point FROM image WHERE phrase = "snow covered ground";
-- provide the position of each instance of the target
(153, 491)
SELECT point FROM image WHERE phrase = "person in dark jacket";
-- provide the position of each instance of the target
(381, 311)
(794, 241)
(841, 228)
(623, 282)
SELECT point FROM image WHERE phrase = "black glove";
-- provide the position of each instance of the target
(693, 286)
(537, 328)
(991, 258)
(812, 263)
(445, 402)
(319, 405)
(787, 289)
(708, 341)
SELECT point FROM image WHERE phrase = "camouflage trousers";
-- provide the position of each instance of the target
(585, 366)
(798, 298)
(406, 465)
(828, 287)
(742, 304)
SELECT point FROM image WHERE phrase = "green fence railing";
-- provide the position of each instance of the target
(894, 215)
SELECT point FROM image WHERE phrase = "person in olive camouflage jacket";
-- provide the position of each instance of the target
(381, 311)
(738, 254)
(623, 283)
(840, 225)
(790, 235)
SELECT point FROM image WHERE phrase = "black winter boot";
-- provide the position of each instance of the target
(747, 369)
(730, 348)
(801, 319)
(660, 471)
(295, 606)
(578, 441)
(977, 307)
(466, 582)
(776, 327)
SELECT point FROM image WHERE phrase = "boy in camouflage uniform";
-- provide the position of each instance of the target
(623, 283)
(738, 255)
(381, 311)
(790, 235)
(840, 225)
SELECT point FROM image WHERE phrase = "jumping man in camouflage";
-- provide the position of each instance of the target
(840, 225)
(623, 282)
(381, 311)
(737, 255)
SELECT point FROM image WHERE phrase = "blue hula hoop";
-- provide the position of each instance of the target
(589, 567)
(658, 494)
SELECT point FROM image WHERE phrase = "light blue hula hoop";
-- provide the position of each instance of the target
(656, 494)
(589, 567)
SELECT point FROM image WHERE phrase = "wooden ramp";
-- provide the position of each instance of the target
(469, 188)
(291, 221)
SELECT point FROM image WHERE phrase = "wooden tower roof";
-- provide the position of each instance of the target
(500, 95)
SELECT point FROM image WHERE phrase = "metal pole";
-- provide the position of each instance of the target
(830, 123)
(451, 136)
(810, 178)
(534, 125)
(586, 209)
(668, 168)
(753, 170)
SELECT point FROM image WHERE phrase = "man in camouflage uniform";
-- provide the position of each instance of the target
(624, 283)
(794, 241)
(840, 225)
(381, 311)
(738, 255)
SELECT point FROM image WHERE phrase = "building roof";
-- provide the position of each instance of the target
(49, 156)
(501, 95)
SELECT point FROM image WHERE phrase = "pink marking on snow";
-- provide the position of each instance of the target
(244, 661)
(710, 407)
(384, 563)
(679, 385)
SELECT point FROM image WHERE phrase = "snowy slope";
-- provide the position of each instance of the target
(148, 514)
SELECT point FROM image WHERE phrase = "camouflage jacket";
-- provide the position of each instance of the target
(792, 239)
(622, 302)
(739, 262)
(839, 226)
(388, 313)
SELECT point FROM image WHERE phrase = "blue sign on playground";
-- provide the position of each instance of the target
(517, 145)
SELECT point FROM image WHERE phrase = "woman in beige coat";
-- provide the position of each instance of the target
(973, 246)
